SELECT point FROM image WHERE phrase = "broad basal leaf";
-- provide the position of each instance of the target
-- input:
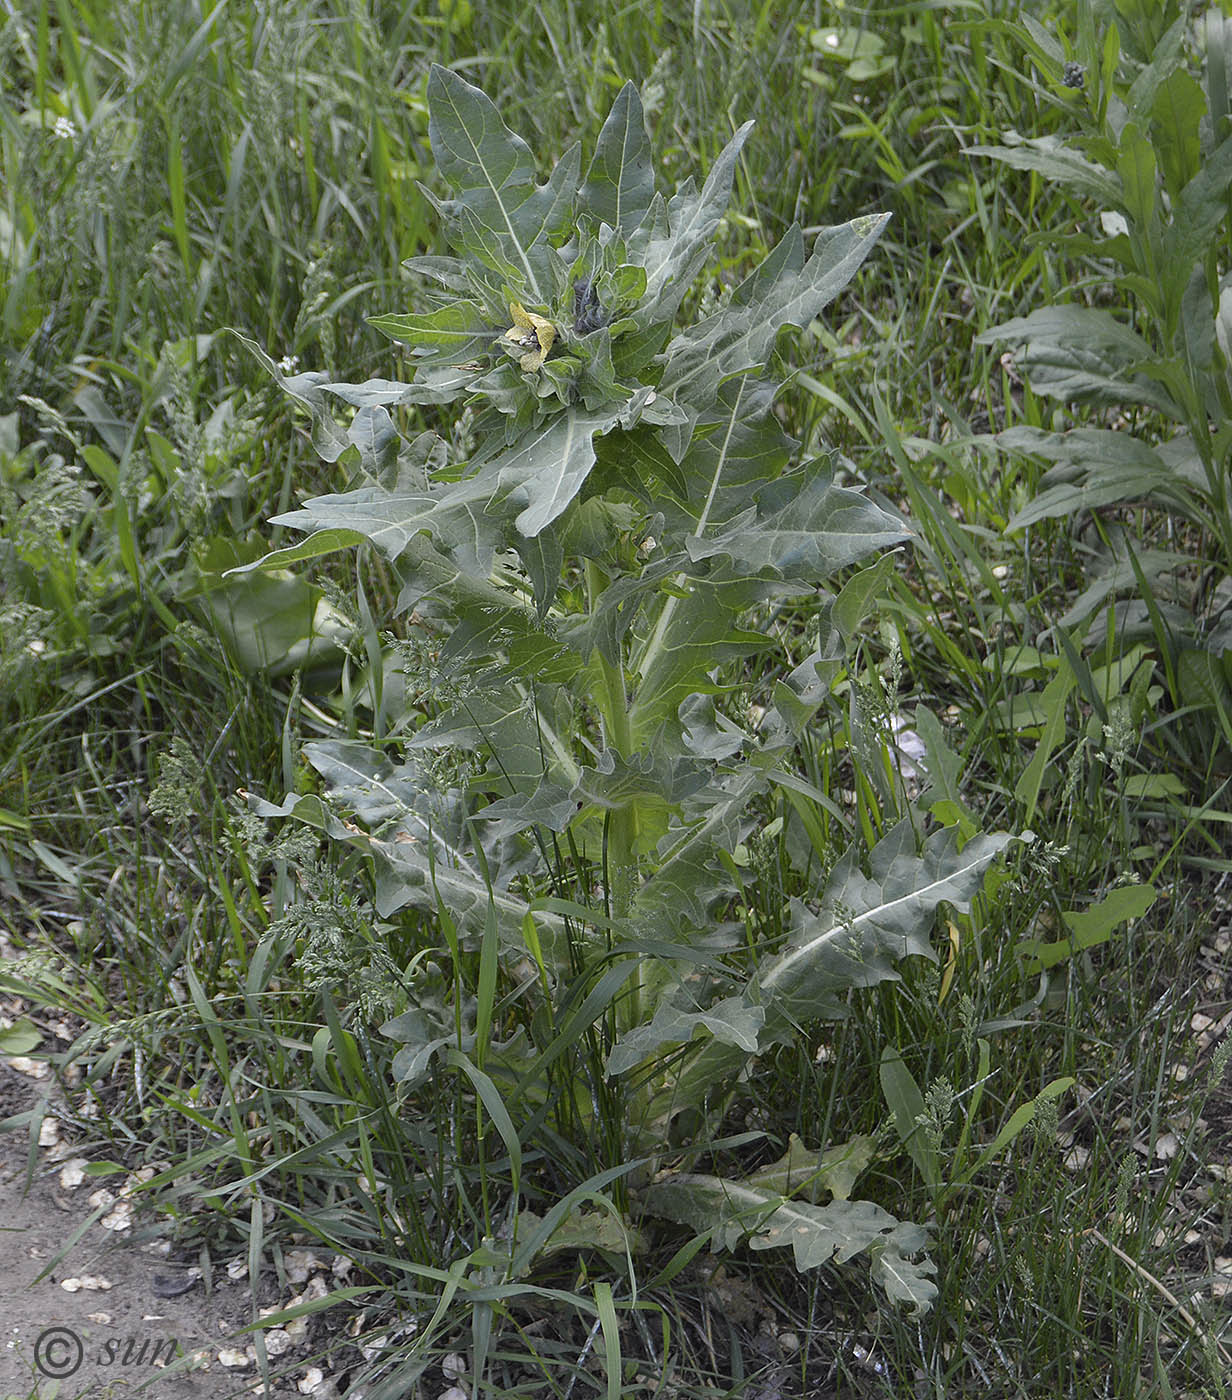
(817, 1235)
(904, 1278)
(866, 924)
(811, 1175)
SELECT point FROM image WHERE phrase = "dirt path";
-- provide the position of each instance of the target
(112, 1314)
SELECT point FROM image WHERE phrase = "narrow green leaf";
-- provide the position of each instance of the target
(610, 1324)
(1136, 167)
(490, 1096)
(1056, 693)
(323, 542)
(1018, 1120)
(906, 1104)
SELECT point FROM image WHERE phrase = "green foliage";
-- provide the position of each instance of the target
(1150, 366)
(168, 168)
(587, 573)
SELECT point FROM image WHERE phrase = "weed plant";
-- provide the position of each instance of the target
(208, 985)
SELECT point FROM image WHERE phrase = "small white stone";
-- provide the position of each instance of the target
(91, 1283)
(135, 1180)
(32, 1069)
(49, 1132)
(277, 1342)
(1167, 1146)
(237, 1269)
(300, 1264)
(310, 1380)
(789, 1343)
(119, 1219)
(72, 1173)
(1076, 1159)
(454, 1392)
(1199, 1023)
(453, 1366)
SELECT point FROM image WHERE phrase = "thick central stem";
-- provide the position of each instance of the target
(613, 704)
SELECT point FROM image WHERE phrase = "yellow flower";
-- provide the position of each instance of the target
(531, 334)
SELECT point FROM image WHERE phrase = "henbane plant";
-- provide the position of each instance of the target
(574, 600)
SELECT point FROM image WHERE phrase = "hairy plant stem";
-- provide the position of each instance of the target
(613, 702)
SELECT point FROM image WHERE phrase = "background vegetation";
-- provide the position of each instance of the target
(171, 170)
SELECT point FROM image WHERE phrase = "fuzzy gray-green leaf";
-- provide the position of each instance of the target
(817, 1235)
(865, 925)
(732, 1021)
(620, 182)
(779, 293)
